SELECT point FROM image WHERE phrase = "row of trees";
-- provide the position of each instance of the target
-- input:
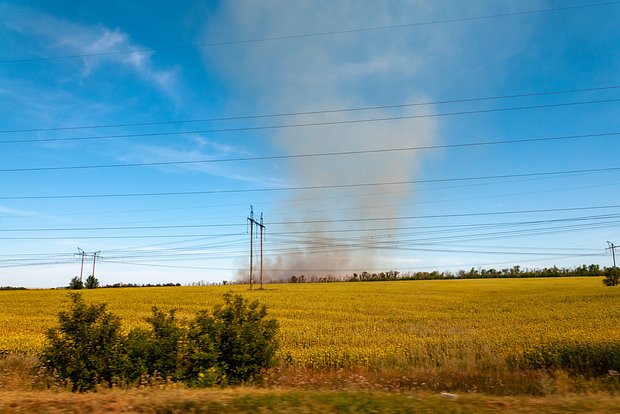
(91, 283)
(480, 273)
(473, 273)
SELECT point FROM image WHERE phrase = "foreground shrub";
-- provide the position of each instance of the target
(86, 348)
(156, 350)
(233, 344)
(579, 359)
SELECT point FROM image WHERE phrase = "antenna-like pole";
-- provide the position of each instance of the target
(251, 221)
(82, 253)
(261, 249)
(612, 247)
(94, 260)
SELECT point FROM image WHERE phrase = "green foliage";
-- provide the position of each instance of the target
(612, 276)
(237, 338)
(76, 284)
(583, 359)
(86, 348)
(157, 350)
(232, 344)
(91, 282)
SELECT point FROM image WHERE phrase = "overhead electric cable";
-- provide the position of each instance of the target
(333, 221)
(311, 155)
(308, 124)
(315, 34)
(317, 112)
(309, 187)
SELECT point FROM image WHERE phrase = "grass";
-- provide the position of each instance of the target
(251, 400)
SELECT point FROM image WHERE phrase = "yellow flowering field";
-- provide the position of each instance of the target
(459, 323)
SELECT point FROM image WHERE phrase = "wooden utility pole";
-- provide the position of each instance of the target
(261, 249)
(252, 223)
(94, 260)
(82, 253)
(612, 247)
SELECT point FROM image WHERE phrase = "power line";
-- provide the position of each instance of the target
(452, 231)
(310, 187)
(317, 112)
(314, 155)
(315, 34)
(326, 221)
(310, 124)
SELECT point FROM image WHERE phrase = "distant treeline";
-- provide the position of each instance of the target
(11, 288)
(135, 285)
(473, 273)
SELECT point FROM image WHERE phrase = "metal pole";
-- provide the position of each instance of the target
(261, 250)
(251, 220)
(82, 265)
(94, 260)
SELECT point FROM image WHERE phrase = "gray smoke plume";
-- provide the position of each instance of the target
(347, 70)
(416, 48)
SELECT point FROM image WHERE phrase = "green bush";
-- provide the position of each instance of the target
(612, 276)
(587, 360)
(86, 348)
(157, 350)
(233, 344)
(91, 282)
(76, 284)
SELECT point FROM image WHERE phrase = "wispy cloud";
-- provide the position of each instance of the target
(198, 148)
(65, 38)
(9, 211)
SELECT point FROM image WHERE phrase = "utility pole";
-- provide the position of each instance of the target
(612, 247)
(251, 221)
(94, 260)
(82, 253)
(262, 227)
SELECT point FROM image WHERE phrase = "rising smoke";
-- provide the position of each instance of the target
(339, 71)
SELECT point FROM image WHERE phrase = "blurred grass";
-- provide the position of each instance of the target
(247, 400)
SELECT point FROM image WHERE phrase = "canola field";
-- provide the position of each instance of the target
(464, 324)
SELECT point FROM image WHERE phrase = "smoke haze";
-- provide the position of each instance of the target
(330, 72)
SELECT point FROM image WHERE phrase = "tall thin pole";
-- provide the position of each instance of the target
(252, 224)
(261, 250)
(82, 265)
(251, 220)
(613, 247)
(94, 260)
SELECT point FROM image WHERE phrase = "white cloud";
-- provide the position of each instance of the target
(198, 148)
(97, 45)
(17, 212)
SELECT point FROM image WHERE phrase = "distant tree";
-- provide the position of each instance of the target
(612, 276)
(91, 282)
(76, 284)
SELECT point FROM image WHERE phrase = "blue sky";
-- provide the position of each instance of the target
(398, 135)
